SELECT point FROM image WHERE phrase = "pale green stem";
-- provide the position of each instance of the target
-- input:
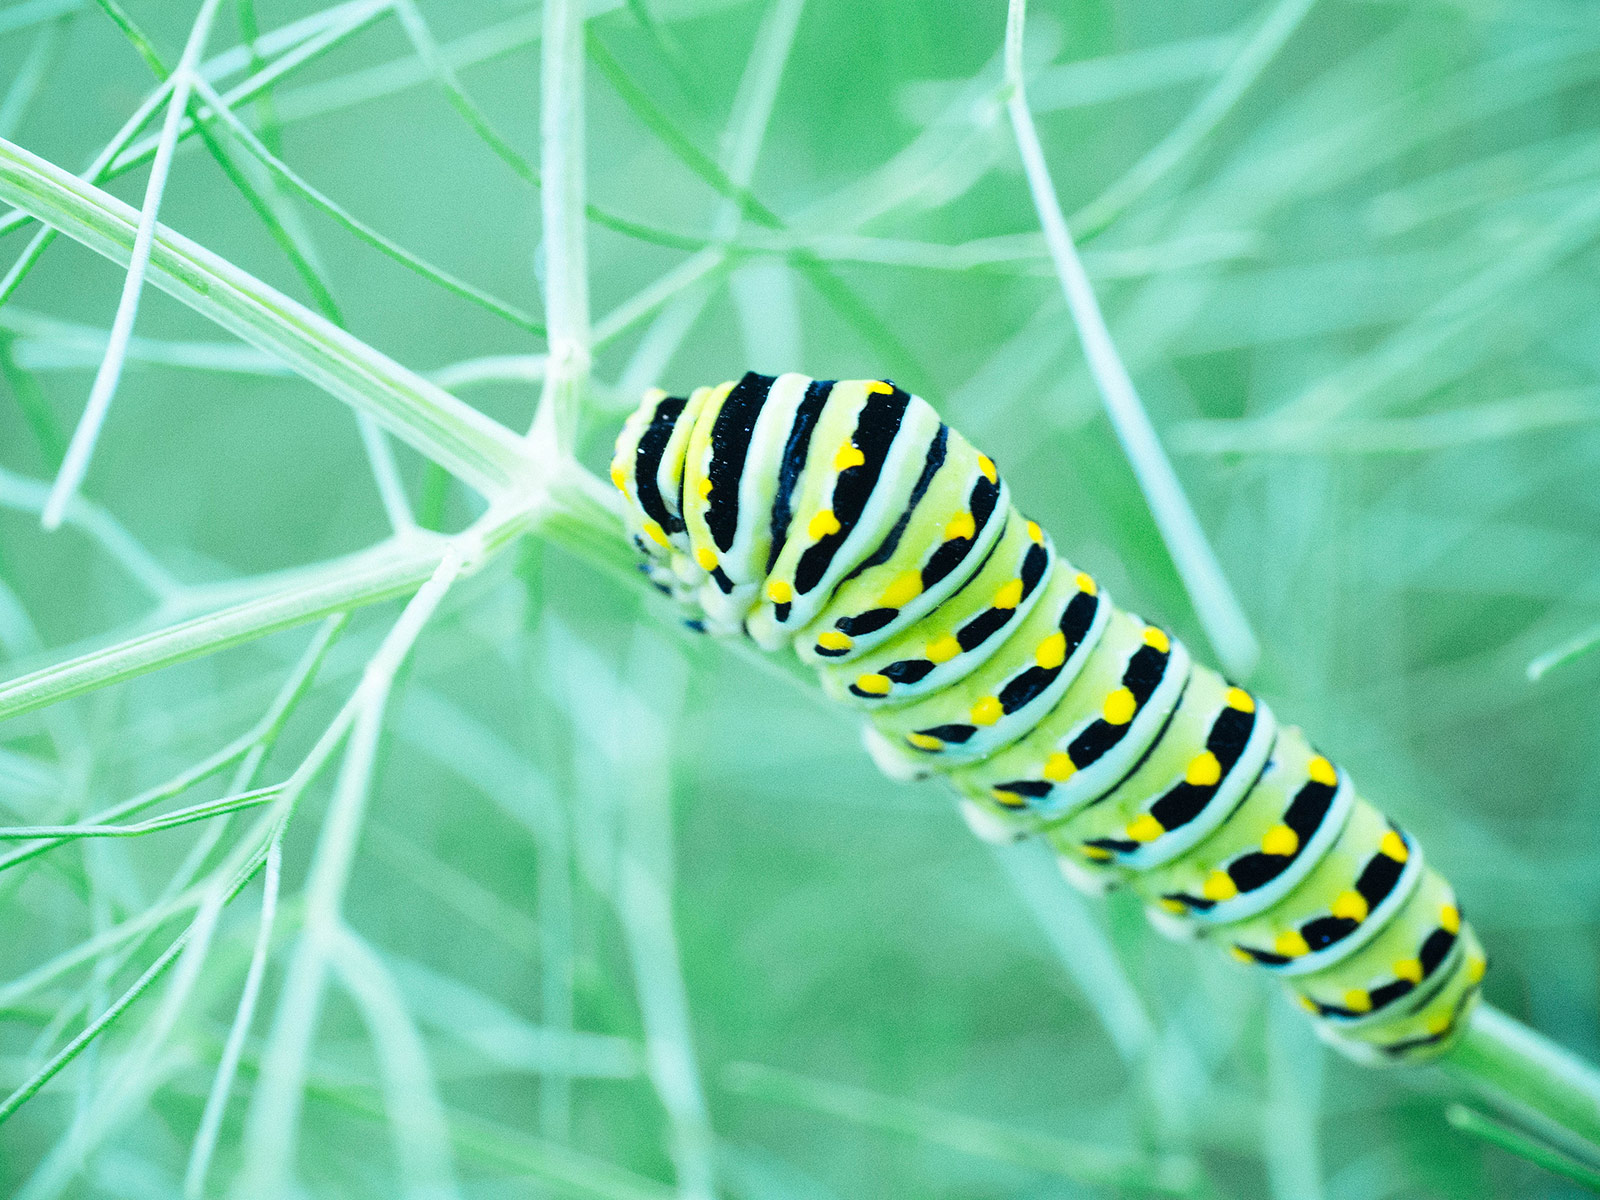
(135, 1076)
(47, 344)
(545, 1167)
(273, 1126)
(647, 300)
(433, 61)
(1526, 1073)
(1215, 604)
(183, 816)
(1568, 650)
(492, 368)
(562, 166)
(304, 40)
(93, 1030)
(1087, 1162)
(239, 867)
(742, 139)
(1516, 1142)
(1082, 948)
(362, 579)
(397, 75)
(239, 870)
(40, 242)
(458, 437)
(246, 750)
(445, 735)
(356, 17)
(205, 1138)
(1200, 122)
(76, 463)
(387, 245)
(416, 1115)
(635, 745)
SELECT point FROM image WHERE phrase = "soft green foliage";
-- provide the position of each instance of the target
(370, 831)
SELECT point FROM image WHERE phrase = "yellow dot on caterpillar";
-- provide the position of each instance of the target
(1291, 943)
(832, 639)
(1097, 853)
(1394, 846)
(923, 741)
(1476, 966)
(619, 475)
(779, 591)
(1439, 1025)
(1086, 585)
(1010, 595)
(878, 385)
(706, 557)
(705, 486)
(1307, 1003)
(987, 711)
(1176, 907)
(962, 527)
(1320, 770)
(1120, 707)
(942, 650)
(1052, 652)
(1157, 640)
(1008, 799)
(903, 590)
(1281, 841)
(1350, 905)
(1059, 767)
(1219, 885)
(1450, 918)
(1241, 700)
(849, 456)
(822, 523)
(655, 533)
(1240, 954)
(1145, 828)
(1035, 534)
(1204, 770)
(986, 465)
(873, 685)
(1358, 1000)
(1408, 969)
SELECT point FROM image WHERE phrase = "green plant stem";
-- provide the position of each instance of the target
(1215, 604)
(368, 578)
(1512, 1141)
(476, 449)
(1526, 1073)
(566, 303)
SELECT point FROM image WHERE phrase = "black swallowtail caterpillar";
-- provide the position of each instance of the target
(846, 520)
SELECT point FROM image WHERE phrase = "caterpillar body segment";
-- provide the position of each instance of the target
(846, 521)
(1191, 779)
(999, 587)
(1293, 811)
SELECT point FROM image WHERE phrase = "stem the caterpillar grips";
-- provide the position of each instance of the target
(844, 520)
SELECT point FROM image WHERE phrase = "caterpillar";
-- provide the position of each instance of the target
(844, 520)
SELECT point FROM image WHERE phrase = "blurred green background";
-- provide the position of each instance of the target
(658, 926)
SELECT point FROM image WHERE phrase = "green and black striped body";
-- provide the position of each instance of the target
(843, 519)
